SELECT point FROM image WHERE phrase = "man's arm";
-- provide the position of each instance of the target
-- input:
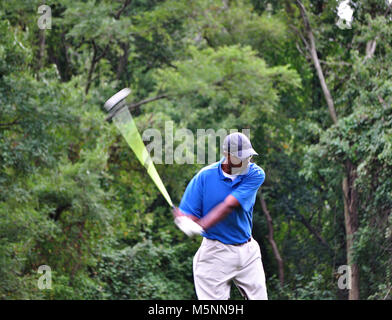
(178, 213)
(218, 213)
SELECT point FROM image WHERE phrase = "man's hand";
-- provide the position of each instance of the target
(185, 224)
(177, 212)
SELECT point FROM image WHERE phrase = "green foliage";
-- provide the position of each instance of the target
(236, 22)
(230, 86)
(73, 196)
(147, 271)
(362, 136)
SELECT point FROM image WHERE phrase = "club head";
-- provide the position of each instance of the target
(116, 102)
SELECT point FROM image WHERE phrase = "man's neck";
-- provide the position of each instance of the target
(226, 167)
(229, 168)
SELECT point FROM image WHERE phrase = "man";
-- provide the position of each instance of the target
(218, 204)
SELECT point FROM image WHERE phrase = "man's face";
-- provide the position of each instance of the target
(236, 164)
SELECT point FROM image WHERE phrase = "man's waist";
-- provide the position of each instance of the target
(241, 243)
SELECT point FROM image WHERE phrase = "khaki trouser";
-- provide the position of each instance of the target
(216, 264)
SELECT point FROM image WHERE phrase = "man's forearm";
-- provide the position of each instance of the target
(177, 213)
(218, 213)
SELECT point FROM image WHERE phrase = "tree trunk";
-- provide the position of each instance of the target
(271, 240)
(41, 54)
(370, 48)
(349, 193)
(123, 60)
(350, 199)
(91, 70)
(95, 59)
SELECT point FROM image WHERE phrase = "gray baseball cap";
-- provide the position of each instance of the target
(238, 145)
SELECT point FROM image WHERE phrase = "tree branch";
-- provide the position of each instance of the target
(316, 62)
(388, 10)
(386, 296)
(103, 53)
(338, 63)
(370, 49)
(138, 104)
(94, 62)
(13, 123)
(313, 231)
(124, 6)
(271, 239)
(56, 214)
(306, 56)
(382, 101)
(371, 44)
(299, 33)
(145, 101)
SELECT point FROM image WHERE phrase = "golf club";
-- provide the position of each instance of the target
(119, 113)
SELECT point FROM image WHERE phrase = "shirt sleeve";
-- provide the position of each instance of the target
(192, 200)
(247, 190)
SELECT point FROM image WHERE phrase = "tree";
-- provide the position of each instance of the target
(351, 198)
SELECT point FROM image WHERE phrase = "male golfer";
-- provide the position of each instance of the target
(218, 204)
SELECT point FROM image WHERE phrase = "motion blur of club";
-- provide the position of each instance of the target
(119, 113)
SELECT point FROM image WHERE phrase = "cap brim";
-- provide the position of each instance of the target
(247, 153)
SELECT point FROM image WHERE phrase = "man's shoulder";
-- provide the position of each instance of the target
(255, 171)
(207, 170)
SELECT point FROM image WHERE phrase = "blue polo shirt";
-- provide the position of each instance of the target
(209, 187)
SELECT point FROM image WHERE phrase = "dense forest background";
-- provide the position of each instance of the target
(317, 100)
